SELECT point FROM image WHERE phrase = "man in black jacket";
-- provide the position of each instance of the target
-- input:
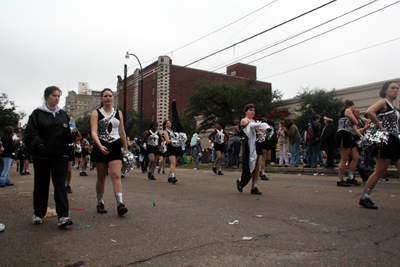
(328, 141)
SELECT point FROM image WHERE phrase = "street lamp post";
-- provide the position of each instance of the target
(141, 89)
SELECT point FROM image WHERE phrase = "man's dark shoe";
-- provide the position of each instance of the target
(101, 209)
(264, 177)
(305, 166)
(174, 180)
(367, 203)
(343, 184)
(152, 177)
(159, 169)
(214, 170)
(352, 182)
(121, 209)
(220, 173)
(68, 188)
(239, 187)
(255, 191)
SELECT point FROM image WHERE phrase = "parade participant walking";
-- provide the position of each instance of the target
(47, 136)
(78, 154)
(153, 141)
(385, 116)
(347, 144)
(8, 156)
(86, 150)
(108, 134)
(293, 134)
(219, 140)
(250, 166)
(264, 150)
(173, 152)
(71, 159)
(237, 143)
(163, 155)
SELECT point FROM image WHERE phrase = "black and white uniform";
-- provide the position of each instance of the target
(78, 151)
(163, 149)
(173, 150)
(108, 134)
(152, 143)
(261, 143)
(219, 141)
(71, 155)
(249, 156)
(345, 132)
(85, 152)
(390, 120)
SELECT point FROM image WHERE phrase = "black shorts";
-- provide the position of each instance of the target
(78, 155)
(389, 151)
(151, 149)
(71, 154)
(114, 148)
(220, 147)
(85, 152)
(349, 140)
(174, 151)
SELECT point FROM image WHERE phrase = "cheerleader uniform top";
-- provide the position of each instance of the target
(345, 124)
(78, 148)
(219, 136)
(152, 139)
(390, 119)
(108, 126)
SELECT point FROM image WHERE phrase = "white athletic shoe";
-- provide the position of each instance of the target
(2, 227)
(36, 219)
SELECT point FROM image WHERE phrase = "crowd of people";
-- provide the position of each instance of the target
(54, 144)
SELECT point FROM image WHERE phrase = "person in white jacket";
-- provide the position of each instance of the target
(250, 167)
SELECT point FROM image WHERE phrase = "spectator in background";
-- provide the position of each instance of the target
(328, 141)
(283, 146)
(293, 134)
(8, 155)
(195, 144)
(230, 147)
(320, 154)
(313, 140)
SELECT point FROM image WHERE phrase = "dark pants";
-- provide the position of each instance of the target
(246, 174)
(43, 168)
(330, 158)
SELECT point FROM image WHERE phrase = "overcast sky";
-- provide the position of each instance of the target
(62, 43)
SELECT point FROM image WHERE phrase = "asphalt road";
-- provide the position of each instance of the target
(300, 220)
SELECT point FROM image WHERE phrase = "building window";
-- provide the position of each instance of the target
(152, 117)
(233, 73)
(153, 90)
(153, 104)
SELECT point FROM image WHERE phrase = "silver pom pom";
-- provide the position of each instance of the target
(373, 136)
(177, 139)
(128, 162)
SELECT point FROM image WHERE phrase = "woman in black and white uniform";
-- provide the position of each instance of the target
(173, 152)
(250, 164)
(163, 155)
(108, 135)
(152, 139)
(220, 138)
(86, 150)
(347, 144)
(385, 116)
(78, 154)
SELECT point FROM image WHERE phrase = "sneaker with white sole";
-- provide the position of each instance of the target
(36, 219)
(2, 227)
(64, 221)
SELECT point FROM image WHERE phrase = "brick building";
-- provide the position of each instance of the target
(164, 82)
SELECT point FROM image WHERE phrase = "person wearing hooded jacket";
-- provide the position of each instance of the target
(47, 136)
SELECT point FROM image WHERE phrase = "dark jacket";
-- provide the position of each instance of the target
(313, 132)
(328, 138)
(8, 144)
(47, 135)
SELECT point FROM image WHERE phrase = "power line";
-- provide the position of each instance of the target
(290, 37)
(346, 54)
(315, 36)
